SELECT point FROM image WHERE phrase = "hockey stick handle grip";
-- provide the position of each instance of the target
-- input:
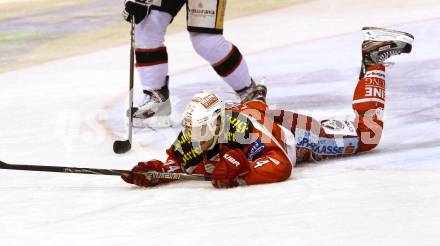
(98, 171)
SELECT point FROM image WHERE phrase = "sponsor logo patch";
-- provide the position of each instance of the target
(375, 92)
(328, 146)
(209, 168)
(375, 73)
(256, 149)
(207, 101)
(202, 11)
(231, 160)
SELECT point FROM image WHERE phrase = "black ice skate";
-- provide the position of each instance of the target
(253, 92)
(380, 44)
(155, 109)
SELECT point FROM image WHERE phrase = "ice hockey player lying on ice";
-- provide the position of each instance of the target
(246, 144)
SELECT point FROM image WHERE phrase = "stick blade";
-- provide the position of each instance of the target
(3, 164)
(121, 147)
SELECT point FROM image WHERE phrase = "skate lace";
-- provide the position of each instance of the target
(387, 54)
(150, 99)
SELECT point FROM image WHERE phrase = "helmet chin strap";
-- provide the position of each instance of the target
(214, 142)
(220, 131)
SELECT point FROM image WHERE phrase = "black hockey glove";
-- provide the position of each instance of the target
(137, 8)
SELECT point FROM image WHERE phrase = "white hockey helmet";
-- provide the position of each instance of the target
(202, 114)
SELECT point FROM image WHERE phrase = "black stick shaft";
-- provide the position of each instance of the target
(61, 169)
(131, 84)
(98, 171)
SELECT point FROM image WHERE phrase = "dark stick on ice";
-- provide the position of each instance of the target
(121, 147)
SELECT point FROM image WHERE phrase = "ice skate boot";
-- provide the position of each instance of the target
(380, 44)
(155, 109)
(253, 92)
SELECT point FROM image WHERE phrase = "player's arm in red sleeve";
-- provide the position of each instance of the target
(174, 162)
(234, 168)
(273, 166)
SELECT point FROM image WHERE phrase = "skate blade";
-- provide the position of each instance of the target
(382, 34)
(153, 122)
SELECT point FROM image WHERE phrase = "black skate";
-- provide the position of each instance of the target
(380, 44)
(155, 109)
(253, 92)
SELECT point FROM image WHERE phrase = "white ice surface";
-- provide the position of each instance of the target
(69, 112)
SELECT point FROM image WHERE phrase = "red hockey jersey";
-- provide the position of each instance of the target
(245, 127)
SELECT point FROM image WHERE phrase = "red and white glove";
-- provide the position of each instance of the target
(138, 178)
(232, 165)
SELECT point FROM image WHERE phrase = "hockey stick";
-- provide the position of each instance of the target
(97, 171)
(121, 147)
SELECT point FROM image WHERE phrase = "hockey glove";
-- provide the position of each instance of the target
(232, 165)
(140, 179)
(137, 8)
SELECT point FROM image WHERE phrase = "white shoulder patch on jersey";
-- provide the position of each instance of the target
(339, 127)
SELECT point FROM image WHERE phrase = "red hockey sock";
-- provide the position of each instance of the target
(370, 90)
(369, 103)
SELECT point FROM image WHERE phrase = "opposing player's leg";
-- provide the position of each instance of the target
(152, 64)
(205, 24)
